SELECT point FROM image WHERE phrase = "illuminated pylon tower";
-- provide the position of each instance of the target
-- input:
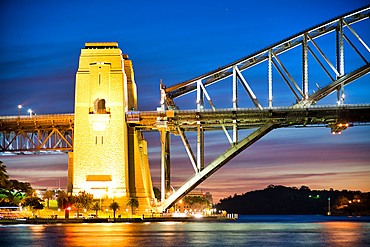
(109, 159)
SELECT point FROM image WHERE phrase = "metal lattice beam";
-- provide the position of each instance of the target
(335, 24)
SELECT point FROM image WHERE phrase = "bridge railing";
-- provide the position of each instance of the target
(37, 117)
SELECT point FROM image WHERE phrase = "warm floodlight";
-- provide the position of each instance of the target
(19, 107)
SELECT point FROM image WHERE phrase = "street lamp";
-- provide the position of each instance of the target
(19, 107)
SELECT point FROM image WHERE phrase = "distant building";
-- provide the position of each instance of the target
(40, 191)
(194, 202)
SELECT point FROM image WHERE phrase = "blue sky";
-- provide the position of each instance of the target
(40, 45)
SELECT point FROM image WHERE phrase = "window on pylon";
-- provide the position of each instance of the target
(100, 107)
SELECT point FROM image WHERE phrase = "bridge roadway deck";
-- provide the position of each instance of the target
(249, 118)
(188, 120)
(36, 122)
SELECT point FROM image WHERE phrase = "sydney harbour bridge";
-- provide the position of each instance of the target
(37, 133)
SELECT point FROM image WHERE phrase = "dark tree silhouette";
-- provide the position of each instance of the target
(11, 189)
(278, 199)
(132, 203)
(114, 206)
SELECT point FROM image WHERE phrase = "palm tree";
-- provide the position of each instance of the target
(133, 203)
(96, 207)
(49, 195)
(114, 206)
(62, 199)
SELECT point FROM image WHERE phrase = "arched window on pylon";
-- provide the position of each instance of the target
(100, 107)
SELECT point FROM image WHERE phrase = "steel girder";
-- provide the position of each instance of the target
(200, 176)
(36, 141)
(37, 133)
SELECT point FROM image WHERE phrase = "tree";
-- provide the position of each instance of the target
(49, 195)
(34, 203)
(83, 201)
(304, 187)
(200, 201)
(96, 207)
(114, 206)
(133, 203)
(62, 199)
(3, 176)
(11, 189)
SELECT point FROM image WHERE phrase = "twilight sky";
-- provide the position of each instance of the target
(40, 45)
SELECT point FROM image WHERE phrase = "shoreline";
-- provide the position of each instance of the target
(111, 220)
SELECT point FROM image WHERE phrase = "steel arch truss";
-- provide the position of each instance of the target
(337, 75)
(305, 39)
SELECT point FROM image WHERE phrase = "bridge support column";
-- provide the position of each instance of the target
(235, 131)
(200, 148)
(165, 164)
(235, 89)
(304, 67)
(235, 103)
(340, 59)
(270, 78)
(70, 173)
(200, 97)
(340, 48)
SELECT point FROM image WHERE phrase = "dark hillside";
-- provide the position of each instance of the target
(277, 199)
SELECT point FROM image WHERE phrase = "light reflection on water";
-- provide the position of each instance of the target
(248, 231)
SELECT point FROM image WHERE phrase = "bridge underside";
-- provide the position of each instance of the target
(265, 120)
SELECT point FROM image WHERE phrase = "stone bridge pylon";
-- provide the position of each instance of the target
(109, 158)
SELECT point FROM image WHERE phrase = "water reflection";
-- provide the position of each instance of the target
(344, 233)
(241, 233)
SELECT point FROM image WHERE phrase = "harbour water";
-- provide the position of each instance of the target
(246, 231)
